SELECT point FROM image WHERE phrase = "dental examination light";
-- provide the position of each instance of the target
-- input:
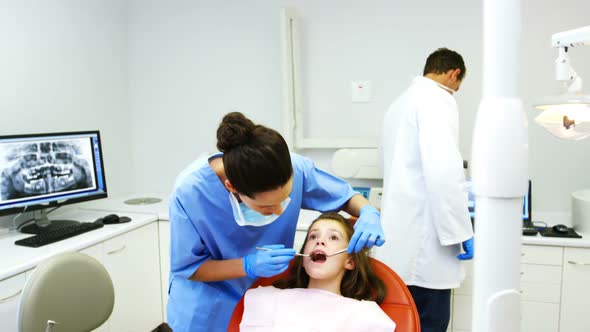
(567, 115)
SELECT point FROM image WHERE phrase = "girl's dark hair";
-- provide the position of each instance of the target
(360, 283)
(443, 60)
(255, 158)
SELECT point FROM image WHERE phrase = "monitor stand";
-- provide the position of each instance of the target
(528, 228)
(43, 224)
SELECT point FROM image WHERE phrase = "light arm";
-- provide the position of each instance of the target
(565, 73)
(563, 70)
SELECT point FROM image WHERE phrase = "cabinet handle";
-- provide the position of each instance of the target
(6, 299)
(116, 251)
(577, 263)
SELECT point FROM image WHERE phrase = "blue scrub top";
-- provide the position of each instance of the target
(203, 227)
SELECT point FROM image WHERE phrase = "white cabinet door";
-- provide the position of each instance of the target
(450, 326)
(462, 311)
(133, 262)
(539, 317)
(164, 234)
(461, 303)
(540, 291)
(97, 252)
(10, 292)
(575, 299)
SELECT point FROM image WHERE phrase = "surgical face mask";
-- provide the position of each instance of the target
(444, 87)
(245, 216)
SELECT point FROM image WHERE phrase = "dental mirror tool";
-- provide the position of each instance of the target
(314, 256)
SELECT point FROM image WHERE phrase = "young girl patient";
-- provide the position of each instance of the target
(322, 292)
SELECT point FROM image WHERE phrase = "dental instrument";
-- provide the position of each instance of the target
(314, 256)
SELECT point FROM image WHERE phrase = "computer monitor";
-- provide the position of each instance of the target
(526, 204)
(41, 171)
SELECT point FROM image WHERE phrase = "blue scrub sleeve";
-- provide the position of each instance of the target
(322, 191)
(187, 250)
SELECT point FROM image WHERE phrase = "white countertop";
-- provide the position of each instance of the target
(540, 240)
(117, 204)
(307, 216)
(17, 259)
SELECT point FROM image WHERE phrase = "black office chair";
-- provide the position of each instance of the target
(70, 292)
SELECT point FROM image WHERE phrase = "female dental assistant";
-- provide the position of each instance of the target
(226, 205)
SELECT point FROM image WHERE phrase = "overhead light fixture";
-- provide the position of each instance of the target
(567, 115)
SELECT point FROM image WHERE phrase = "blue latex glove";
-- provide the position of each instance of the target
(268, 263)
(367, 230)
(468, 248)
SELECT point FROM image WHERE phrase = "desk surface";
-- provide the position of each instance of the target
(117, 204)
(540, 240)
(16, 259)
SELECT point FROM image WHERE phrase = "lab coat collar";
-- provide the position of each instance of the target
(432, 87)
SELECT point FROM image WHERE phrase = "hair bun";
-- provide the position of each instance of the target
(235, 130)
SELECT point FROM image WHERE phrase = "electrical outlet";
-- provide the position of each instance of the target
(360, 91)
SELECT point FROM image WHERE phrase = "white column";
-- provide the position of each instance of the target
(500, 173)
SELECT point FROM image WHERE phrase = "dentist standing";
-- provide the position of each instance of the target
(248, 195)
(424, 206)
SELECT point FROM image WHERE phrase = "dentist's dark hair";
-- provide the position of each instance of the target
(442, 60)
(255, 158)
(360, 283)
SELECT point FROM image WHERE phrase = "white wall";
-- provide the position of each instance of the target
(192, 61)
(557, 167)
(63, 67)
(157, 76)
(385, 42)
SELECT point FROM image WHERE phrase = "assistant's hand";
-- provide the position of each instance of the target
(468, 248)
(268, 263)
(367, 230)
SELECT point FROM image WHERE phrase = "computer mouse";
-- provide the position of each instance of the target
(560, 229)
(114, 219)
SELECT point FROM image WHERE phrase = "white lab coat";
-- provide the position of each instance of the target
(424, 205)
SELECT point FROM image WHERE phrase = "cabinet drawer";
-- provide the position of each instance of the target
(12, 287)
(539, 317)
(543, 274)
(535, 316)
(575, 292)
(547, 293)
(577, 256)
(540, 283)
(542, 255)
(10, 293)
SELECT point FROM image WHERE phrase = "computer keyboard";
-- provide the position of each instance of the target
(58, 234)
